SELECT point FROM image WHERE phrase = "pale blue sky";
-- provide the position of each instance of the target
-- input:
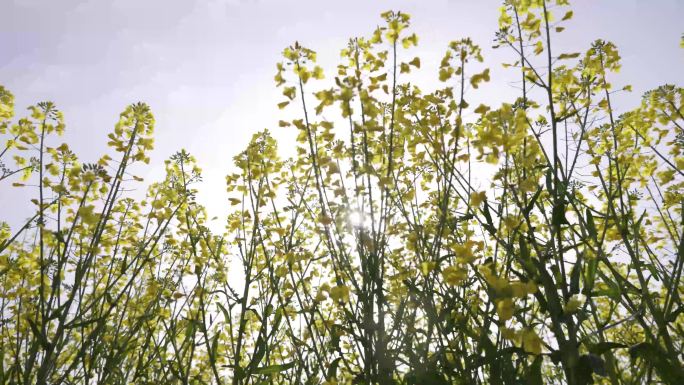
(206, 67)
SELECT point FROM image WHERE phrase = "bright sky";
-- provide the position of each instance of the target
(206, 67)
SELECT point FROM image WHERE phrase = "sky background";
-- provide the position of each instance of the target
(206, 67)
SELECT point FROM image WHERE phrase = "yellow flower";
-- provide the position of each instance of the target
(477, 198)
(427, 267)
(573, 304)
(453, 275)
(340, 293)
(531, 341)
(505, 308)
(88, 216)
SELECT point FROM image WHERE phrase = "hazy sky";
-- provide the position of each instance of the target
(206, 67)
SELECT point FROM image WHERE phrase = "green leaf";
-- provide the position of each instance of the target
(591, 226)
(268, 310)
(558, 214)
(488, 216)
(214, 345)
(603, 347)
(668, 369)
(41, 337)
(534, 372)
(673, 316)
(588, 364)
(332, 369)
(426, 377)
(277, 318)
(525, 256)
(224, 311)
(568, 55)
(575, 275)
(270, 369)
(530, 205)
(612, 291)
(259, 351)
(524, 250)
(590, 276)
